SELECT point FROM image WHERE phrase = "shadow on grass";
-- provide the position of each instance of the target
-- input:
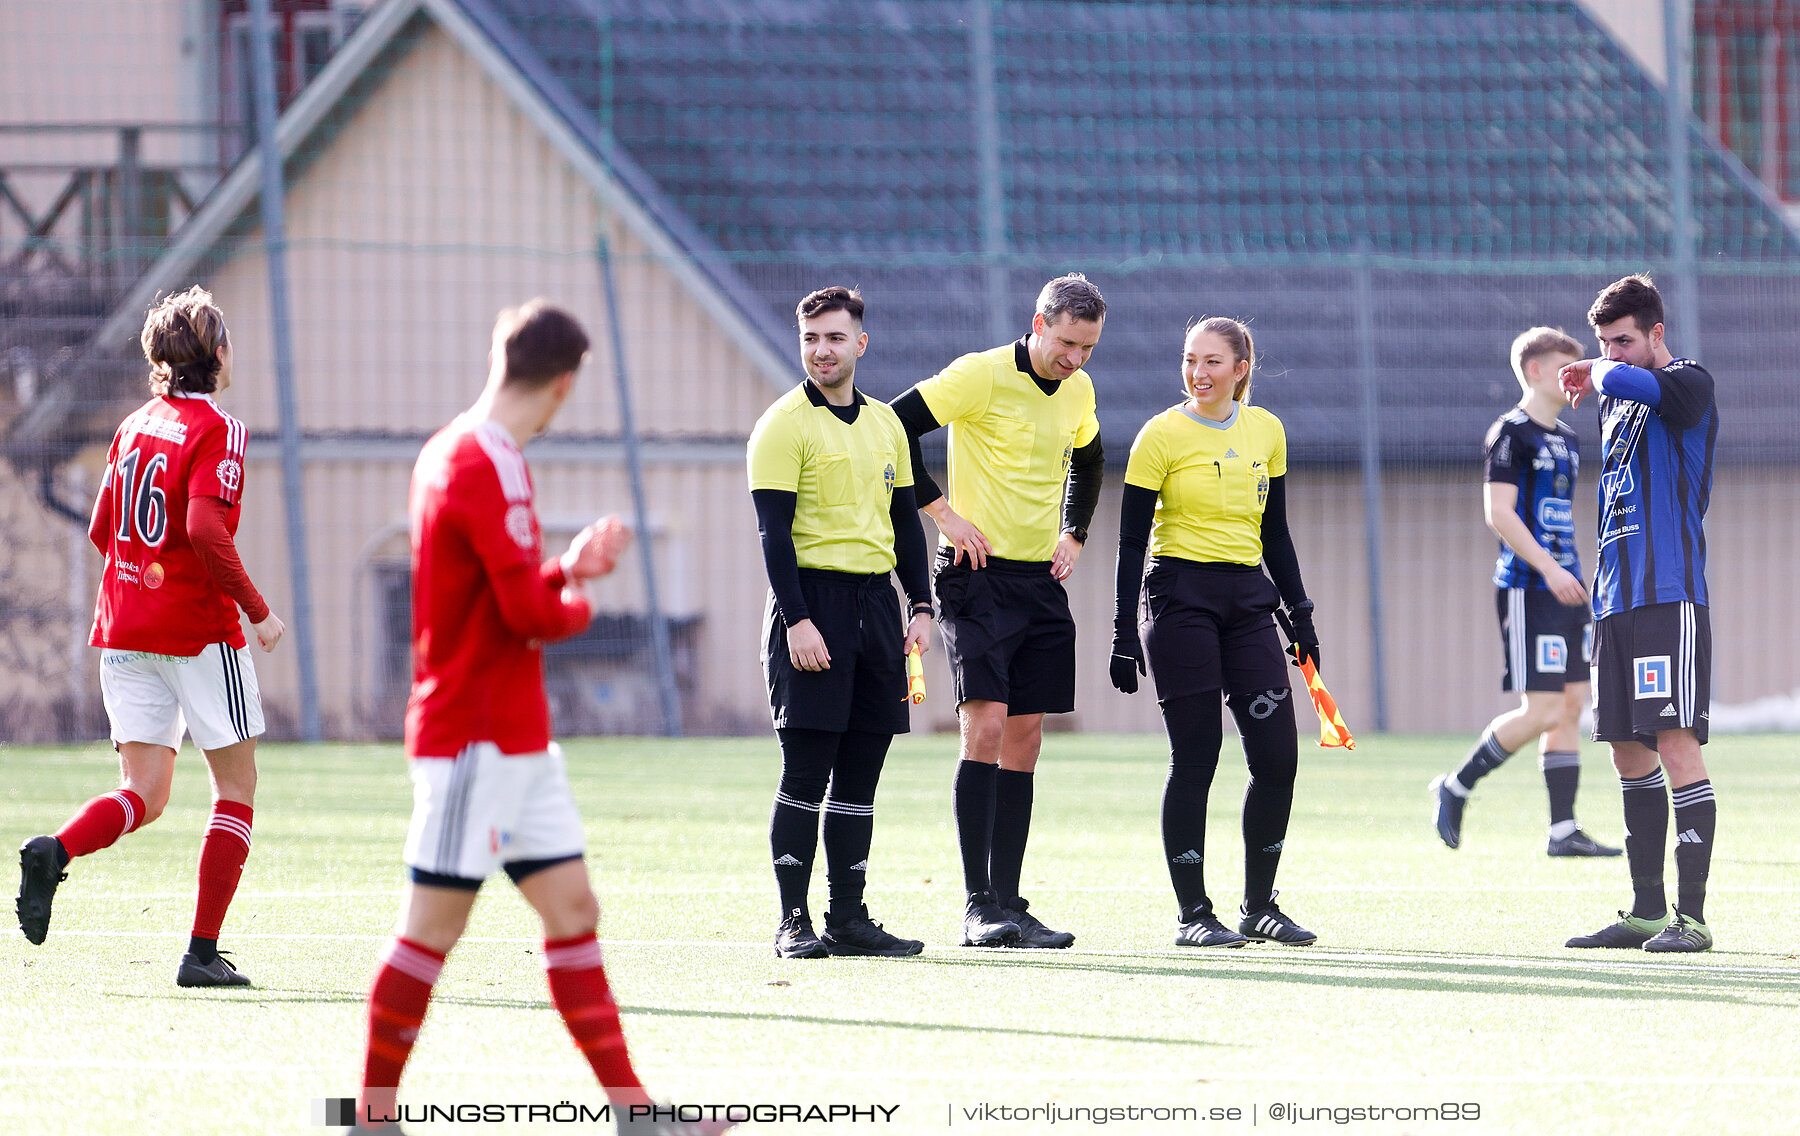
(278, 996)
(963, 1027)
(1436, 974)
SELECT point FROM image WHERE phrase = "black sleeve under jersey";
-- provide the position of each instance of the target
(911, 558)
(775, 524)
(1278, 546)
(916, 416)
(1687, 394)
(1136, 512)
(1081, 493)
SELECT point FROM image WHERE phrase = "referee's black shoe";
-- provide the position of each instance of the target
(1270, 924)
(1032, 932)
(41, 863)
(986, 923)
(1205, 930)
(794, 939)
(860, 935)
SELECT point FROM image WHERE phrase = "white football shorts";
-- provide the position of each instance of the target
(482, 809)
(153, 698)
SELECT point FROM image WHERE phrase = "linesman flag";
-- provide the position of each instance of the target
(915, 677)
(1333, 734)
(1332, 731)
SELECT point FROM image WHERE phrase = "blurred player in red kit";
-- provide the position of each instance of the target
(173, 656)
(490, 790)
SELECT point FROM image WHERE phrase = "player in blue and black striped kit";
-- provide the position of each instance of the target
(1532, 463)
(1652, 639)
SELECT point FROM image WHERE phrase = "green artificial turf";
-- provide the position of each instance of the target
(1439, 977)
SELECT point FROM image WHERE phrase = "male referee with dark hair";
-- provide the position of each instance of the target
(831, 476)
(1652, 636)
(1025, 472)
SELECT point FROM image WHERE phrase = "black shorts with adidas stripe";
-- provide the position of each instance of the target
(1546, 643)
(1652, 671)
(860, 618)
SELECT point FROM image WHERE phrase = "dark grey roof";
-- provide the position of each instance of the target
(1499, 160)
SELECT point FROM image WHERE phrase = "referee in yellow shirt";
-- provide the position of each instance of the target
(1211, 473)
(1025, 470)
(831, 477)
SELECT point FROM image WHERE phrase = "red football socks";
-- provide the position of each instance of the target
(102, 821)
(222, 856)
(580, 993)
(397, 1002)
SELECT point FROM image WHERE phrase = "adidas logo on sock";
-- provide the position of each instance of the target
(787, 860)
(1667, 712)
(1191, 856)
(1275, 847)
(860, 866)
(1689, 837)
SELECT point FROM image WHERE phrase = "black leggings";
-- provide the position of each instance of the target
(1265, 721)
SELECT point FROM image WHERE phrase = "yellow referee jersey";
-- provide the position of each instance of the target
(843, 475)
(1010, 445)
(1211, 480)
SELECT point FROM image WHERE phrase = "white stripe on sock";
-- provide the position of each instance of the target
(412, 962)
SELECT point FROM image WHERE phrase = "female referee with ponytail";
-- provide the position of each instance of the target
(1205, 492)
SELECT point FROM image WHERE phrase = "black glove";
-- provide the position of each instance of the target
(1127, 661)
(1306, 640)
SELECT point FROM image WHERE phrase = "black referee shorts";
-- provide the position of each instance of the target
(1008, 634)
(1211, 627)
(859, 617)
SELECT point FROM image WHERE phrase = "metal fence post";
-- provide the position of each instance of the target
(1678, 29)
(659, 627)
(987, 145)
(1368, 373)
(274, 224)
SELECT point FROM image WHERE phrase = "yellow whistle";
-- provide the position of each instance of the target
(915, 677)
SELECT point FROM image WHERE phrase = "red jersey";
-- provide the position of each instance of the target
(155, 594)
(483, 597)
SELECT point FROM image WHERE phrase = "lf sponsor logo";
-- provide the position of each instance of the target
(1552, 654)
(1652, 676)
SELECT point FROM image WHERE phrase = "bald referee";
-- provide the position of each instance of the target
(832, 478)
(1025, 470)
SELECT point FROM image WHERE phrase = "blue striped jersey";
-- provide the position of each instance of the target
(1655, 479)
(1542, 462)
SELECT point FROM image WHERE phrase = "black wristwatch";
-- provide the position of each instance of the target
(1078, 532)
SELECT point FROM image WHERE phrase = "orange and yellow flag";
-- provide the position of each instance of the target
(1332, 731)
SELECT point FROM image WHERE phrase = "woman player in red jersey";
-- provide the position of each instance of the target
(172, 654)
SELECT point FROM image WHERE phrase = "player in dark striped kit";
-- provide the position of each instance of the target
(1659, 422)
(1532, 463)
